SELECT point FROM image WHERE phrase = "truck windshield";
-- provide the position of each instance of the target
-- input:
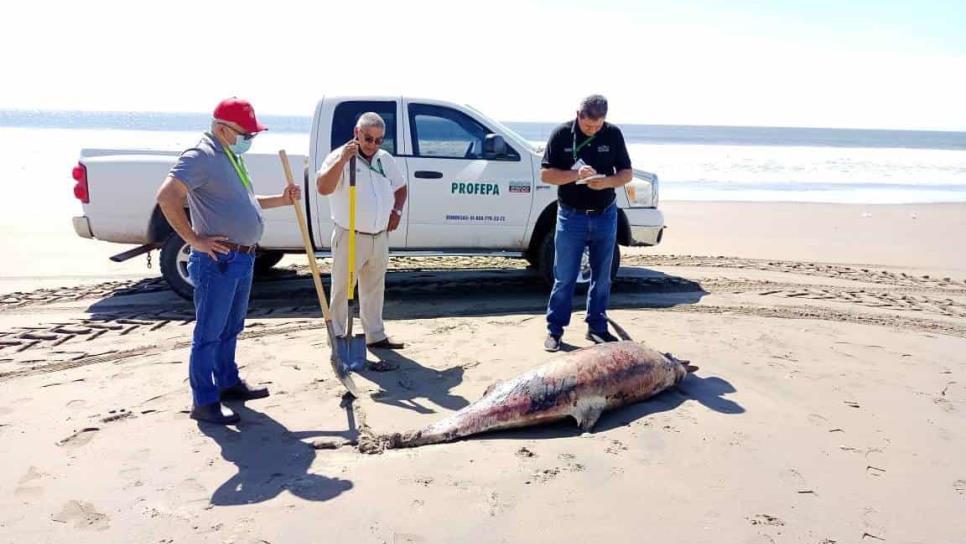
(505, 129)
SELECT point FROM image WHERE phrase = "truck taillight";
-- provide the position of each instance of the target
(80, 188)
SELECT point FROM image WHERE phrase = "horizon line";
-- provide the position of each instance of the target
(684, 125)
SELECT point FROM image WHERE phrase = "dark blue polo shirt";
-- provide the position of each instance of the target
(605, 152)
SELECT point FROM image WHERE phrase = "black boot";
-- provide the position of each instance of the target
(241, 391)
(213, 413)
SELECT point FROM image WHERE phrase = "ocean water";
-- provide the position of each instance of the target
(693, 162)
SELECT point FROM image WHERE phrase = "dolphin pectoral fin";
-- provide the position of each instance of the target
(587, 413)
(587, 419)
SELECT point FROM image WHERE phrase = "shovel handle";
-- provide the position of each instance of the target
(351, 278)
(309, 249)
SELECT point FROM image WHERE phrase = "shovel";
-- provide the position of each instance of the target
(356, 354)
(340, 350)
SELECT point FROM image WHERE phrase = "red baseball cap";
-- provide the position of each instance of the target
(240, 112)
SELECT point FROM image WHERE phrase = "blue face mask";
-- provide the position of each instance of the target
(241, 145)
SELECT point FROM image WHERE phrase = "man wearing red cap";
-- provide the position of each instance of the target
(226, 224)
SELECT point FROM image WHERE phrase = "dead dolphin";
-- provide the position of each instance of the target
(580, 384)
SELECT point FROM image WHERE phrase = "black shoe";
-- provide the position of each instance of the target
(382, 366)
(214, 413)
(601, 337)
(387, 343)
(552, 343)
(241, 391)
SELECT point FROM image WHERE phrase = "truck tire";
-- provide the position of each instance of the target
(265, 260)
(174, 266)
(583, 279)
(532, 259)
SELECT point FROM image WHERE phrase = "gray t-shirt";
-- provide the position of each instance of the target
(218, 200)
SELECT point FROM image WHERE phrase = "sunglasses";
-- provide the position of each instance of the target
(371, 140)
(244, 135)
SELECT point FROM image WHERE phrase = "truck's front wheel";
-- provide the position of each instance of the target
(583, 278)
(174, 266)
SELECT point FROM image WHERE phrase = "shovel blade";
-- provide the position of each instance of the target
(342, 373)
(352, 351)
(340, 360)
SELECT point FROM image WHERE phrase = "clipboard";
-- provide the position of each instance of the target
(589, 178)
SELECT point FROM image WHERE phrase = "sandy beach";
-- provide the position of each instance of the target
(830, 404)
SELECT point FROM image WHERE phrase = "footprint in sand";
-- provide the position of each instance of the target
(525, 453)
(872, 521)
(817, 420)
(616, 447)
(944, 403)
(766, 519)
(31, 475)
(24, 489)
(794, 480)
(131, 476)
(79, 438)
(82, 515)
(186, 493)
(494, 504)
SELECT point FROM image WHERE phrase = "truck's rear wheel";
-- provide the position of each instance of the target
(174, 266)
(583, 278)
(265, 260)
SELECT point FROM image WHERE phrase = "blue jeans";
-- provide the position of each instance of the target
(222, 288)
(575, 231)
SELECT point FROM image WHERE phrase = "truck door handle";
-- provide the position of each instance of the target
(427, 174)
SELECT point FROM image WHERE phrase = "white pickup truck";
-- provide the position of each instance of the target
(474, 188)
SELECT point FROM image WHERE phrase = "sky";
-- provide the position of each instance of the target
(820, 63)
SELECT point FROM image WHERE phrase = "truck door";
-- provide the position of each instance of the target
(468, 187)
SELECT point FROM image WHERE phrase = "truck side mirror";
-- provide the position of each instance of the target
(494, 146)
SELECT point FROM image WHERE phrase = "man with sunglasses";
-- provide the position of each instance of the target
(226, 224)
(380, 196)
(586, 159)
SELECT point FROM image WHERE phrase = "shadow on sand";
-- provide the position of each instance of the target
(270, 459)
(411, 295)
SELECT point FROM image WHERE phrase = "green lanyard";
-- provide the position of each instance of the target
(378, 163)
(581, 146)
(239, 165)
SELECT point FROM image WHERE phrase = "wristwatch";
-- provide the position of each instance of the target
(397, 211)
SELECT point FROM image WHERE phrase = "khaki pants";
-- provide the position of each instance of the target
(372, 256)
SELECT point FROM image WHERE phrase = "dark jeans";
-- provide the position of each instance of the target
(222, 288)
(575, 231)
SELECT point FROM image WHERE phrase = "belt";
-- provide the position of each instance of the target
(360, 232)
(239, 248)
(591, 211)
